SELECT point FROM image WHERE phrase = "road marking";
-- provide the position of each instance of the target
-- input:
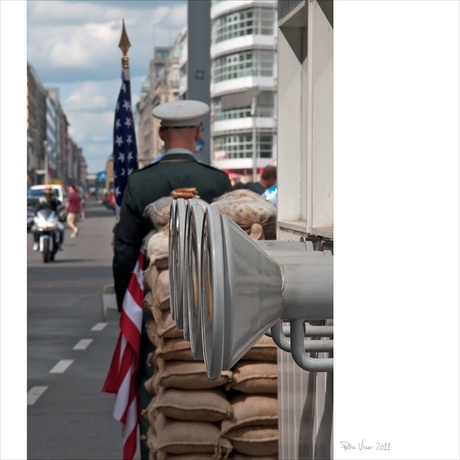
(33, 394)
(98, 326)
(61, 366)
(83, 344)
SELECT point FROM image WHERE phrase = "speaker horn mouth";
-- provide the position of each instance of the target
(177, 259)
(212, 293)
(194, 220)
(172, 257)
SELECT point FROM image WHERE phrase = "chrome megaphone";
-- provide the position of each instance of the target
(245, 290)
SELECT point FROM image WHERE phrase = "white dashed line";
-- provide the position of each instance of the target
(98, 326)
(83, 344)
(61, 366)
(33, 394)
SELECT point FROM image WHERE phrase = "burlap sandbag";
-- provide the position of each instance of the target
(149, 385)
(151, 330)
(251, 410)
(182, 437)
(150, 438)
(264, 349)
(254, 440)
(187, 375)
(158, 212)
(149, 414)
(238, 195)
(166, 326)
(255, 215)
(197, 405)
(148, 277)
(176, 349)
(160, 289)
(255, 377)
(148, 301)
(201, 456)
(158, 248)
(237, 456)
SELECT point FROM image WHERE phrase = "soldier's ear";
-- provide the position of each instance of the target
(197, 133)
(161, 132)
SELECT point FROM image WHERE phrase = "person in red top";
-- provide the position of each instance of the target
(73, 208)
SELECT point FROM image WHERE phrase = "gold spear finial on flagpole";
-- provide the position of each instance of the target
(124, 45)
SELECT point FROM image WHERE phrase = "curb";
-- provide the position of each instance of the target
(109, 301)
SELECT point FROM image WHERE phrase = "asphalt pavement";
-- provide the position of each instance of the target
(72, 328)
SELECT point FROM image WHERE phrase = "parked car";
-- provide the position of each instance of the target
(31, 202)
(108, 200)
(57, 189)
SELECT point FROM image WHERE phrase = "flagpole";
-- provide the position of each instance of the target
(122, 376)
(124, 146)
(124, 45)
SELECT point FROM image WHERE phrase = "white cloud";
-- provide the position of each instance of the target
(83, 46)
(70, 35)
(73, 45)
(91, 95)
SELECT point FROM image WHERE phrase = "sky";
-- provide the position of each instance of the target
(73, 46)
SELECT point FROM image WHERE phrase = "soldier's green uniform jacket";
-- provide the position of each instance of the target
(177, 169)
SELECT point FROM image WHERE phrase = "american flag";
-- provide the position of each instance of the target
(124, 141)
(122, 376)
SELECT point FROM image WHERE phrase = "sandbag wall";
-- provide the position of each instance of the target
(191, 415)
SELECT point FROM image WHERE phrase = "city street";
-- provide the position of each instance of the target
(71, 337)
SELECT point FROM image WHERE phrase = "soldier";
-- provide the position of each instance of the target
(178, 168)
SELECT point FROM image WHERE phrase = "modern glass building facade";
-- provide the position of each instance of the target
(243, 85)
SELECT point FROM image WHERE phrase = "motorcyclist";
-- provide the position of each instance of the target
(50, 202)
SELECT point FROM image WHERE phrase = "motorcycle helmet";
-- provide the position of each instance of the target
(48, 193)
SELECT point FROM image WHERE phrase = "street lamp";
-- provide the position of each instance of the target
(255, 94)
(45, 147)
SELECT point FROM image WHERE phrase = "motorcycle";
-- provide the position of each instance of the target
(46, 223)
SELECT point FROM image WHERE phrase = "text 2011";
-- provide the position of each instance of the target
(382, 446)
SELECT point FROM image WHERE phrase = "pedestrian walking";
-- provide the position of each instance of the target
(267, 180)
(73, 209)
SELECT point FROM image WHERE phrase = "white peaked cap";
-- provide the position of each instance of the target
(180, 113)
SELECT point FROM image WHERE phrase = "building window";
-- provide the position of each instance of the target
(230, 114)
(251, 63)
(252, 21)
(265, 145)
(238, 105)
(241, 146)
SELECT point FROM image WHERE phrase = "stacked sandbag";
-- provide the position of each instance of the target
(253, 213)
(253, 428)
(187, 407)
(192, 416)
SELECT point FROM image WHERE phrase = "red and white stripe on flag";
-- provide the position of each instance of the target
(122, 376)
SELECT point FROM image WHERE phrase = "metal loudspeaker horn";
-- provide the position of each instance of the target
(192, 275)
(176, 257)
(192, 299)
(245, 290)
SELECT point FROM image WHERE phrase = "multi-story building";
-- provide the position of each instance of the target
(53, 145)
(168, 83)
(146, 144)
(52, 156)
(243, 86)
(36, 96)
